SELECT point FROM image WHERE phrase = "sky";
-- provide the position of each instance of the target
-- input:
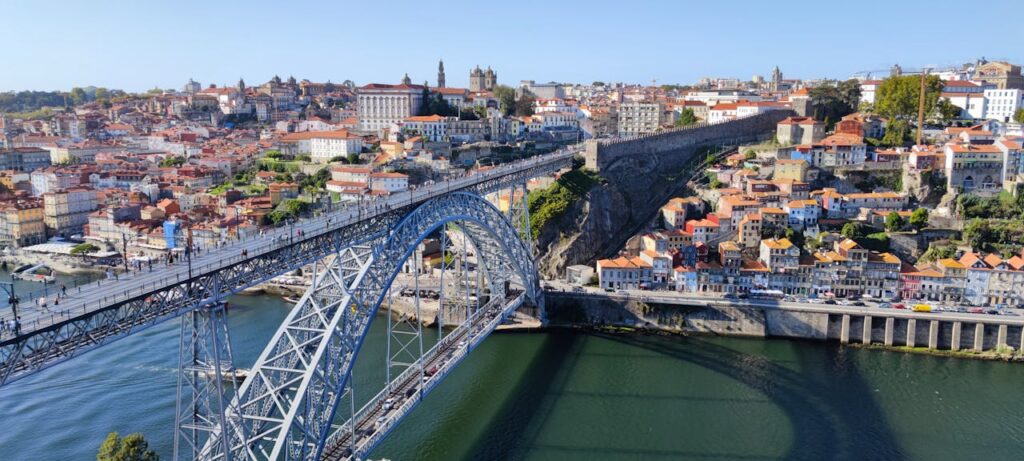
(137, 45)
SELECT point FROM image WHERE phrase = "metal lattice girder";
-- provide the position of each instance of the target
(206, 378)
(286, 406)
(110, 320)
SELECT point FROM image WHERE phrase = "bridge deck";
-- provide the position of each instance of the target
(376, 419)
(112, 309)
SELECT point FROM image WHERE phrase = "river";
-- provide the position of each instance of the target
(564, 395)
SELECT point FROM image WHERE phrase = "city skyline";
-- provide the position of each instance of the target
(122, 46)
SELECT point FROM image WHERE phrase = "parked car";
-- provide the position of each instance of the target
(830, 301)
(899, 306)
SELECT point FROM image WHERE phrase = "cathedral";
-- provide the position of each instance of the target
(482, 80)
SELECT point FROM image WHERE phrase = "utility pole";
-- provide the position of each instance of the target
(920, 107)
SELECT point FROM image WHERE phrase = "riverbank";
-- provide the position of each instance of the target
(997, 338)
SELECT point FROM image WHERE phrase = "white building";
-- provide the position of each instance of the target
(390, 182)
(638, 118)
(431, 127)
(1001, 104)
(380, 106)
(325, 145)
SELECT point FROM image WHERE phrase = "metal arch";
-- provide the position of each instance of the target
(284, 410)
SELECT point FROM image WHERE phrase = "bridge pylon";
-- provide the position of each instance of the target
(206, 381)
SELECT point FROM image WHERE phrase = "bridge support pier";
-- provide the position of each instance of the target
(844, 330)
(955, 341)
(865, 337)
(979, 337)
(890, 325)
(933, 335)
(1001, 336)
(911, 332)
(205, 376)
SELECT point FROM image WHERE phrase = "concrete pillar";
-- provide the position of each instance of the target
(933, 335)
(844, 331)
(979, 337)
(866, 337)
(955, 341)
(1001, 336)
(911, 332)
(890, 326)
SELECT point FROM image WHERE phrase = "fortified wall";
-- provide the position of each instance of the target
(675, 146)
(638, 176)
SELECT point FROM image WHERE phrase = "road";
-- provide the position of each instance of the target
(1016, 316)
(382, 412)
(136, 283)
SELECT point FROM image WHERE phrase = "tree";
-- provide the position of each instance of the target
(833, 102)
(506, 99)
(852, 230)
(84, 248)
(919, 218)
(947, 112)
(1018, 116)
(897, 97)
(897, 132)
(597, 83)
(133, 447)
(524, 105)
(686, 118)
(78, 96)
(353, 158)
(893, 222)
(102, 94)
(172, 161)
(978, 233)
(749, 154)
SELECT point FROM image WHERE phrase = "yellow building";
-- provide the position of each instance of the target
(791, 169)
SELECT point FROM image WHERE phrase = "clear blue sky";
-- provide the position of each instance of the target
(135, 45)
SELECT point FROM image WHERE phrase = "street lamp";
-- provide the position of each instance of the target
(124, 250)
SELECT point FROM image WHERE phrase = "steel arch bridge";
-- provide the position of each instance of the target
(289, 406)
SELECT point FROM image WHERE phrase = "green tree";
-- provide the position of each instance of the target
(353, 158)
(1018, 116)
(919, 218)
(832, 102)
(133, 447)
(524, 105)
(946, 111)
(893, 222)
(749, 154)
(506, 99)
(897, 97)
(84, 248)
(978, 233)
(686, 118)
(852, 230)
(102, 94)
(78, 96)
(897, 132)
(172, 161)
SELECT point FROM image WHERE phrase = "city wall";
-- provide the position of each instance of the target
(991, 336)
(675, 146)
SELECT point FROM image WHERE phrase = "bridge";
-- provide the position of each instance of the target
(291, 404)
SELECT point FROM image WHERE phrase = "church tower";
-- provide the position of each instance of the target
(406, 80)
(490, 79)
(776, 79)
(440, 74)
(476, 80)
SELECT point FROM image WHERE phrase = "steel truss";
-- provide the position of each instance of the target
(206, 379)
(285, 408)
(94, 327)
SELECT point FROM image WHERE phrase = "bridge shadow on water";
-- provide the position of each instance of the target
(833, 412)
(837, 417)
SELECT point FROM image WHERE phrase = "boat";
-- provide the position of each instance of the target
(37, 273)
(235, 374)
(291, 300)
